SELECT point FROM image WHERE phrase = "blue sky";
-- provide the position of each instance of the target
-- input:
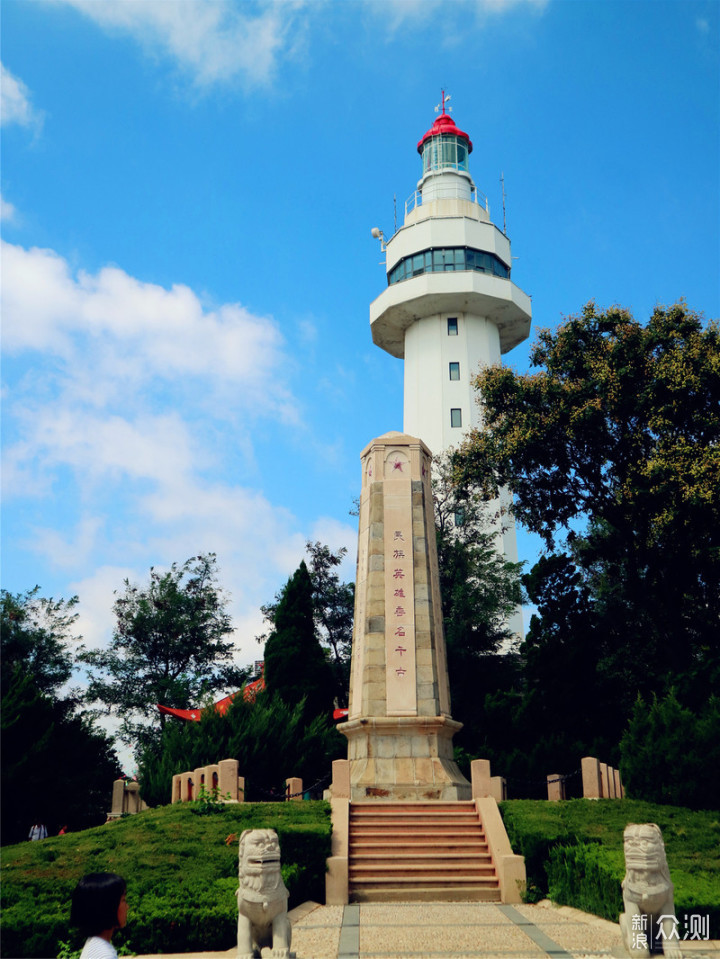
(187, 196)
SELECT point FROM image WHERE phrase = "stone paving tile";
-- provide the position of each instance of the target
(317, 935)
(319, 942)
(431, 940)
(439, 914)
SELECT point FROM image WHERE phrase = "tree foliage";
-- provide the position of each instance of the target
(671, 754)
(296, 668)
(333, 608)
(37, 634)
(171, 645)
(270, 739)
(57, 768)
(611, 446)
(622, 424)
(480, 590)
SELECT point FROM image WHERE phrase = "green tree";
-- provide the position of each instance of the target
(671, 754)
(296, 667)
(56, 767)
(615, 440)
(270, 739)
(480, 590)
(171, 645)
(333, 609)
(37, 634)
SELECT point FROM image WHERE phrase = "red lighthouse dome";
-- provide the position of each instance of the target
(444, 147)
(444, 126)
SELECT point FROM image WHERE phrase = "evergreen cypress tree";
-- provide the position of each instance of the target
(295, 664)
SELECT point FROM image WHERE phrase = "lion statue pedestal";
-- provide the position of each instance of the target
(647, 893)
(262, 898)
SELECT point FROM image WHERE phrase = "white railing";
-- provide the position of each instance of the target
(447, 193)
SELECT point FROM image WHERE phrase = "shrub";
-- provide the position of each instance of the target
(564, 842)
(588, 877)
(671, 754)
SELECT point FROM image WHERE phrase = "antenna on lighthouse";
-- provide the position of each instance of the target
(441, 105)
(395, 210)
(502, 181)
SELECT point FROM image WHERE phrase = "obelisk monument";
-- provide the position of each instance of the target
(399, 727)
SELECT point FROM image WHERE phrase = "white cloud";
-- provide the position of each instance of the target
(406, 13)
(213, 42)
(111, 406)
(117, 333)
(96, 593)
(7, 211)
(15, 105)
(702, 24)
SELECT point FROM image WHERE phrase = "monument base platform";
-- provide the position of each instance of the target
(404, 757)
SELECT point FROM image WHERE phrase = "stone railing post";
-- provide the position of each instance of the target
(498, 788)
(480, 778)
(228, 778)
(340, 779)
(619, 791)
(118, 797)
(294, 788)
(555, 787)
(592, 783)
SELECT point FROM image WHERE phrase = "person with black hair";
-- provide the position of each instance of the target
(99, 907)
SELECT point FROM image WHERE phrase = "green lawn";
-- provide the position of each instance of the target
(181, 875)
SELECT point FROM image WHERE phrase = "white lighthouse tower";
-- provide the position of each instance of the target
(450, 305)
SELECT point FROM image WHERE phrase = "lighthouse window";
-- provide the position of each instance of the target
(455, 418)
(445, 152)
(448, 259)
(452, 326)
(454, 371)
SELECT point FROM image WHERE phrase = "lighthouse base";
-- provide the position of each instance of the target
(404, 758)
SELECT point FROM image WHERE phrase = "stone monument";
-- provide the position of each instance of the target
(647, 891)
(399, 726)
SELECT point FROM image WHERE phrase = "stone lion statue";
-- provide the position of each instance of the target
(262, 898)
(647, 893)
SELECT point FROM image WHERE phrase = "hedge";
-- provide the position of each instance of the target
(574, 852)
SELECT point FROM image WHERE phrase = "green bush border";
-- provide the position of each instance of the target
(574, 852)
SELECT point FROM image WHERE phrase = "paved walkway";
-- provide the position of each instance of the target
(453, 931)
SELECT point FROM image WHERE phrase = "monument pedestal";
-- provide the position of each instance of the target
(404, 757)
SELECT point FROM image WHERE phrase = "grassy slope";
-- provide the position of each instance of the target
(181, 875)
(692, 842)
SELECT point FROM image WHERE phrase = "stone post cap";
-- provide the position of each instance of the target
(394, 438)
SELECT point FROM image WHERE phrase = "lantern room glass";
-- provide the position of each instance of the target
(445, 152)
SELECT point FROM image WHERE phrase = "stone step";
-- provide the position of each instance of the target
(414, 809)
(402, 846)
(419, 851)
(431, 856)
(414, 804)
(432, 879)
(470, 893)
(414, 872)
(440, 834)
(469, 815)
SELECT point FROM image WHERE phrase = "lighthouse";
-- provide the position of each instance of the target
(450, 305)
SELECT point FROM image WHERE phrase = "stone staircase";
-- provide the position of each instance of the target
(419, 851)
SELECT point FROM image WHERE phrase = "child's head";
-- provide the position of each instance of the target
(96, 903)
